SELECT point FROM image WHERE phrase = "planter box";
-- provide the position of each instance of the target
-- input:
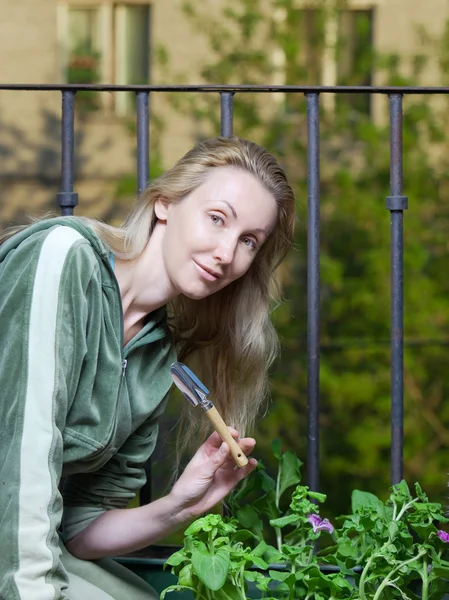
(149, 565)
(151, 570)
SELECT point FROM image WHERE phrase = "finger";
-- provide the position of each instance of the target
(243, 472)
(217, 459)
(247, 469)
(215, 440)
(234, 477)
(213, 444)
(247, 445)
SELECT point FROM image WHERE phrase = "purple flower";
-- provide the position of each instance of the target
(443, 535)
(319, 524)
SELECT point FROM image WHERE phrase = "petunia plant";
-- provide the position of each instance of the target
(397, 545)
(267, 547)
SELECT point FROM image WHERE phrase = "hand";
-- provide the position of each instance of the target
(210, 475)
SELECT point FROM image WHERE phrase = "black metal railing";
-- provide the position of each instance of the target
(396, 203)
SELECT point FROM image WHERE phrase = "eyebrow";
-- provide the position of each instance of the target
(231, 208)
(234, 214)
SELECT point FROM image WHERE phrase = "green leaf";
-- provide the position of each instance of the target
(317, 496)
(400, 492)
(204, 524)
(267, 505)
(257, 561)
(211, 570)
(284, 521)
(241, 535)
(267, 483)
(258, 578)
(249, 518)
(393, 529)
(419, 492)
(276, 448)
(228, 592)
(185, 576)
(289, 471)
(347, 548)
(441, 571)
(260, 549)
(175, 588)
(272, 555)
(361, 499)
(279, 575)
(176, 559)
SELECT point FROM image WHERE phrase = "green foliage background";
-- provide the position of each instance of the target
(355, 237)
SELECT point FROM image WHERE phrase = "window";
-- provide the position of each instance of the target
(331, 48)
(106, 42)
(354, 56)
(83, 64)
(83, 29)
(132, 49)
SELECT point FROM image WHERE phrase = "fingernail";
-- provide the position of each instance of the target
(223, 448)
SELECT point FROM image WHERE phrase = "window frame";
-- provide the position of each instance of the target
(107, 43)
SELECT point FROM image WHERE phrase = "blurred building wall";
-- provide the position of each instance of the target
(34, 49)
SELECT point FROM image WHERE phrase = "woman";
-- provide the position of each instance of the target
(87, 347)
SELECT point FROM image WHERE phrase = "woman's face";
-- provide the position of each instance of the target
(212, 236)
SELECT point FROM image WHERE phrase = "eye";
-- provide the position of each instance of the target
(216, 220)
(250, 242)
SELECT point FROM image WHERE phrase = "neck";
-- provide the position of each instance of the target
(143, 281)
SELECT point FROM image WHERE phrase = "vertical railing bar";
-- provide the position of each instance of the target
(143, 140)
(396, 204)
(227, 113)
(67, 199)
(143, 176)
(313, 288)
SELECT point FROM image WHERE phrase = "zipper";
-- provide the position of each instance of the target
(129, 347)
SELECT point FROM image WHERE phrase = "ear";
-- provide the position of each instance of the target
(161, 208)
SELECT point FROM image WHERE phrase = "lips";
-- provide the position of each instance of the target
(206, 272)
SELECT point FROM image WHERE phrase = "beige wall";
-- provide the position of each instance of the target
(29, 121)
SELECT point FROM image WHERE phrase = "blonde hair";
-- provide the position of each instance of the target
(228, 337)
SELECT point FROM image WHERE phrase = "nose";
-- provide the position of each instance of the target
(224, 251)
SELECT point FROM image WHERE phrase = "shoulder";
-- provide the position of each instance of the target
(57, 242)
(52, 246)
(66, 250)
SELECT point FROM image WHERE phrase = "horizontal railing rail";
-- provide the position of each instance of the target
(304, 89)
(396, 203)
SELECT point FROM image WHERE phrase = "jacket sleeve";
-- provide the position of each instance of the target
(42, 316)
(88, 495)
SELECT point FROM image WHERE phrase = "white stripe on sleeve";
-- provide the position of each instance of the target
(36, 559)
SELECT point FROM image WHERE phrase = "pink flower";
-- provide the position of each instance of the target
(443, 535)
(319, 524)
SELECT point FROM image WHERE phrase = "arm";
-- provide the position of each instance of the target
(36, 361)
(207, 479)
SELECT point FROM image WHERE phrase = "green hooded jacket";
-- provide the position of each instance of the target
(75, 403)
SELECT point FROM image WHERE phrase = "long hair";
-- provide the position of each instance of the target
(228, 337)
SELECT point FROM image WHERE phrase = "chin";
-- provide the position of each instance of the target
(196, 294)
(200, 292)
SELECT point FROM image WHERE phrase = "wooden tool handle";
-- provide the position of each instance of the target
(222, 430)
